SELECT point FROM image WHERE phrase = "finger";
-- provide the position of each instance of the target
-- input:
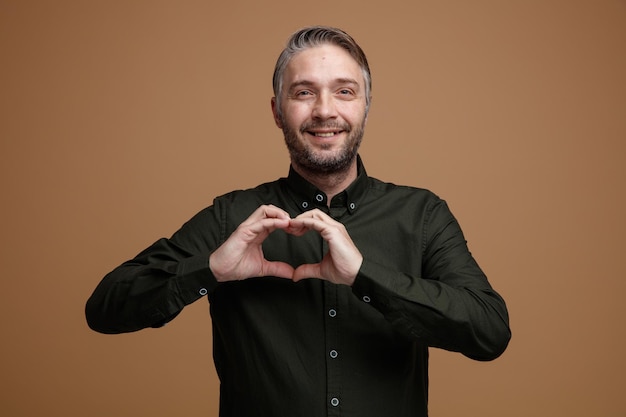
(314, 214)
(262, 228)
(267, 212)
(277, 269)
(268, 224)
(306, 271)
(312, 220)
(270, 210)
(296, 228)
(299, 226)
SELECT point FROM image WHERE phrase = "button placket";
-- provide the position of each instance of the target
(333, 339)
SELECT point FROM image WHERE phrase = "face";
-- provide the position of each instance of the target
(323, 110)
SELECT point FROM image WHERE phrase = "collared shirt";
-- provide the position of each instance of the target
(314, 348)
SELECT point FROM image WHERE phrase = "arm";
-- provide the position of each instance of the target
(452, 306)
(152, 288)
(149, 290)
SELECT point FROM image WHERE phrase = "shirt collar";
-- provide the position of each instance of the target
(307, 196)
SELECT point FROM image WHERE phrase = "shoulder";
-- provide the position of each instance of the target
(241, 203)
(382, 189)
(407, 201)
(261, 192)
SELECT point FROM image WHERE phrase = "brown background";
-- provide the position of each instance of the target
(122, 119)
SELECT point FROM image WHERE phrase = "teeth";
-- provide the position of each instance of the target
(325, 135)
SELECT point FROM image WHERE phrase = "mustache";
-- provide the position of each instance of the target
(325, 125)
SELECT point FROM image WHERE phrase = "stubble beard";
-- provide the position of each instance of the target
(315, 162)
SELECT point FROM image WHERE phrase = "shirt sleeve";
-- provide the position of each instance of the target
(452, 306)
(153, 287)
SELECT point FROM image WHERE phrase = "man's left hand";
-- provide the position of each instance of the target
(343, 260)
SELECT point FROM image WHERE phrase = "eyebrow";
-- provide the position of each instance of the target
(307, 83)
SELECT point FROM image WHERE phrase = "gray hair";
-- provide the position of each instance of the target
(313, 36)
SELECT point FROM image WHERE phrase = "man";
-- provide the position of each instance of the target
(326, 287)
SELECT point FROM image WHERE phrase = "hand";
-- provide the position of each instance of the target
(343, 260)
(241, 255)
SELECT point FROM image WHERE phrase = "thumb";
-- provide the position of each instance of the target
(278, 269)
(307, 271)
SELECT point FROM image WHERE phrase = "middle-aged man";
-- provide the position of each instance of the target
(326, 287)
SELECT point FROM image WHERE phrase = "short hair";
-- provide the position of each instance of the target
(313, 36)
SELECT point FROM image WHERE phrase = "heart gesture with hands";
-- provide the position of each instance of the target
(341, 263)
(241, 255)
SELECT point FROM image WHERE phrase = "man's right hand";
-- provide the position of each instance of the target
(241, 255)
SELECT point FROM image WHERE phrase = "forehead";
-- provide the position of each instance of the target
(322, 64)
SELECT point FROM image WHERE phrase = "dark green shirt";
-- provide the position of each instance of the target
(314, 348)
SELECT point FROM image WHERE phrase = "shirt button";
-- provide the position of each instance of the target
(332, 312)
(333, 354)
(203, 291)
(352, 206)
(305, 204)
(319, 198)
(334, 401)
(366, 299)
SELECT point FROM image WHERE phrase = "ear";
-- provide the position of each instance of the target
(367, 110)
(275, 113)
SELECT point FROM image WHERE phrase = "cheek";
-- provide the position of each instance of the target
(296, 115)
(354, 117)
(352, 110)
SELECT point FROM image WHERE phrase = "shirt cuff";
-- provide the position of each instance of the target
(372, 284)
(194, 278)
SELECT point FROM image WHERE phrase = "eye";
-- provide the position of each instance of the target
(345, 93)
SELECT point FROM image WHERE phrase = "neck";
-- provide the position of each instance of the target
(330, 183)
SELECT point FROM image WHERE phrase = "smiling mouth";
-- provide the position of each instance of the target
(324, 134)
(326, 130)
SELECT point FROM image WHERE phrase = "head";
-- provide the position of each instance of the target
(313, 36)
(322, 90)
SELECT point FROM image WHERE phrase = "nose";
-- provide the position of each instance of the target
(324, 107)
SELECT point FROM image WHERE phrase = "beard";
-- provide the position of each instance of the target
(318, 162)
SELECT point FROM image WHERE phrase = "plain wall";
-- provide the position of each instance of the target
(122, 119)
